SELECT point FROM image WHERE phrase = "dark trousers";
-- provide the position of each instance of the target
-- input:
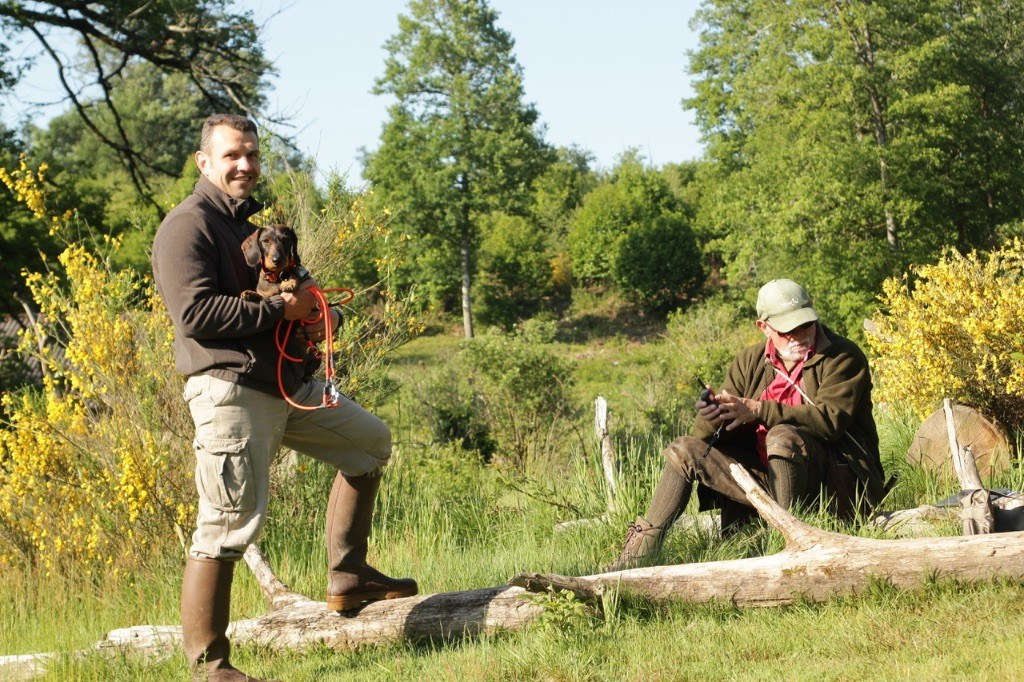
(797, 470)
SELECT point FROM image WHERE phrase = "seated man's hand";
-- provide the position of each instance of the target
(735, 411)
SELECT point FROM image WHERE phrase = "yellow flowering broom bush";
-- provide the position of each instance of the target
(95, 472)
(95, 467)
(955, 330)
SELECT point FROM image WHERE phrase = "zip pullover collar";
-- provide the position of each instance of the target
(238, 209)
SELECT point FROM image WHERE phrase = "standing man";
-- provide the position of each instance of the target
(795, 411)
(226, 347)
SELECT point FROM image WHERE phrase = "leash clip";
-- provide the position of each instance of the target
(331, 394)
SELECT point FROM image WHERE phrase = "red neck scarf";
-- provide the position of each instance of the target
(784, 389)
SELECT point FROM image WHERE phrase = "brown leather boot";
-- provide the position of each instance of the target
(642, 540)
(350, 581)
(205, 610)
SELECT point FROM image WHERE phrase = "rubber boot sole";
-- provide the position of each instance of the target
(347, 602)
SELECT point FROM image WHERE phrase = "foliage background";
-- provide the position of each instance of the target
(867, 150)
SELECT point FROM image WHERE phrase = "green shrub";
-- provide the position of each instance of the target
(515, 271)
(634, 196)
(502, 395)
(444, 401)
(540, 329)
(524, 389)
(707, 336)
(658, 263)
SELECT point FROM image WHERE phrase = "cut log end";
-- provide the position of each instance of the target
(984, 436)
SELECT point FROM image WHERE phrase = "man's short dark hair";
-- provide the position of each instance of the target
(240, 123)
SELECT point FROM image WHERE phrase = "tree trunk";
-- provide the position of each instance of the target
(864, 47)
(467, 283)
(466, 258)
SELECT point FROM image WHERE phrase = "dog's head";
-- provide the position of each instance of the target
(273, 249)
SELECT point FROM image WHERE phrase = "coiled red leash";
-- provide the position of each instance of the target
(331, 393)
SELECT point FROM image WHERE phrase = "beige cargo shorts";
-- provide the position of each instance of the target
(238, 430)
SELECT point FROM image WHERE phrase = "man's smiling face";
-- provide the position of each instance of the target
(232, 161)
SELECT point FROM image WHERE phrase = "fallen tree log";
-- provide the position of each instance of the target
(300, 623)
(305, 623)
(295, 621)
(815, 565)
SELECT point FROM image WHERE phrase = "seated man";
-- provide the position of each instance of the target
(794, 410)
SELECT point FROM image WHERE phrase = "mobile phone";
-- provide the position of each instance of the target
(705, 393)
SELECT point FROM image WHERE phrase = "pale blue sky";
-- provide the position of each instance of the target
(606, 75)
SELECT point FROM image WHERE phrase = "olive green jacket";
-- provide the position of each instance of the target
(838, 383)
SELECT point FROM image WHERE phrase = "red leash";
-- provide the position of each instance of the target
(331, 393)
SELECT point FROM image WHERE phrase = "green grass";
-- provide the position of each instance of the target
(457, 525)
(942, 632)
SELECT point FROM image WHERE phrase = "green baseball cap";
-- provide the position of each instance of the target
(784, 305)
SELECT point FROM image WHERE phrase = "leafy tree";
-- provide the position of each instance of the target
(560, 190)
(142, 78)
(459, 142)
(849, 139)
(631, 200)
(215, 49)
(515, 270)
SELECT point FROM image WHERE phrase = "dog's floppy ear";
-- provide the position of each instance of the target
(251, 248)
(293, 241)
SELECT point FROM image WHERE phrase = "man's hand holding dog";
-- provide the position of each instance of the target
(298, 305)
(315, 330)
(303, 305)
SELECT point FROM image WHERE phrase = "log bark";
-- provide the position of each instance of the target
(815, 565)
(305, 623)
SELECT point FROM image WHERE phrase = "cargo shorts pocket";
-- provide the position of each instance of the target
(224, 473)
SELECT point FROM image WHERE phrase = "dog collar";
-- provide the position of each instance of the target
(300, 274)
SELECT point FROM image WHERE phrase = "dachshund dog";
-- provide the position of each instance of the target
(274, 250)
